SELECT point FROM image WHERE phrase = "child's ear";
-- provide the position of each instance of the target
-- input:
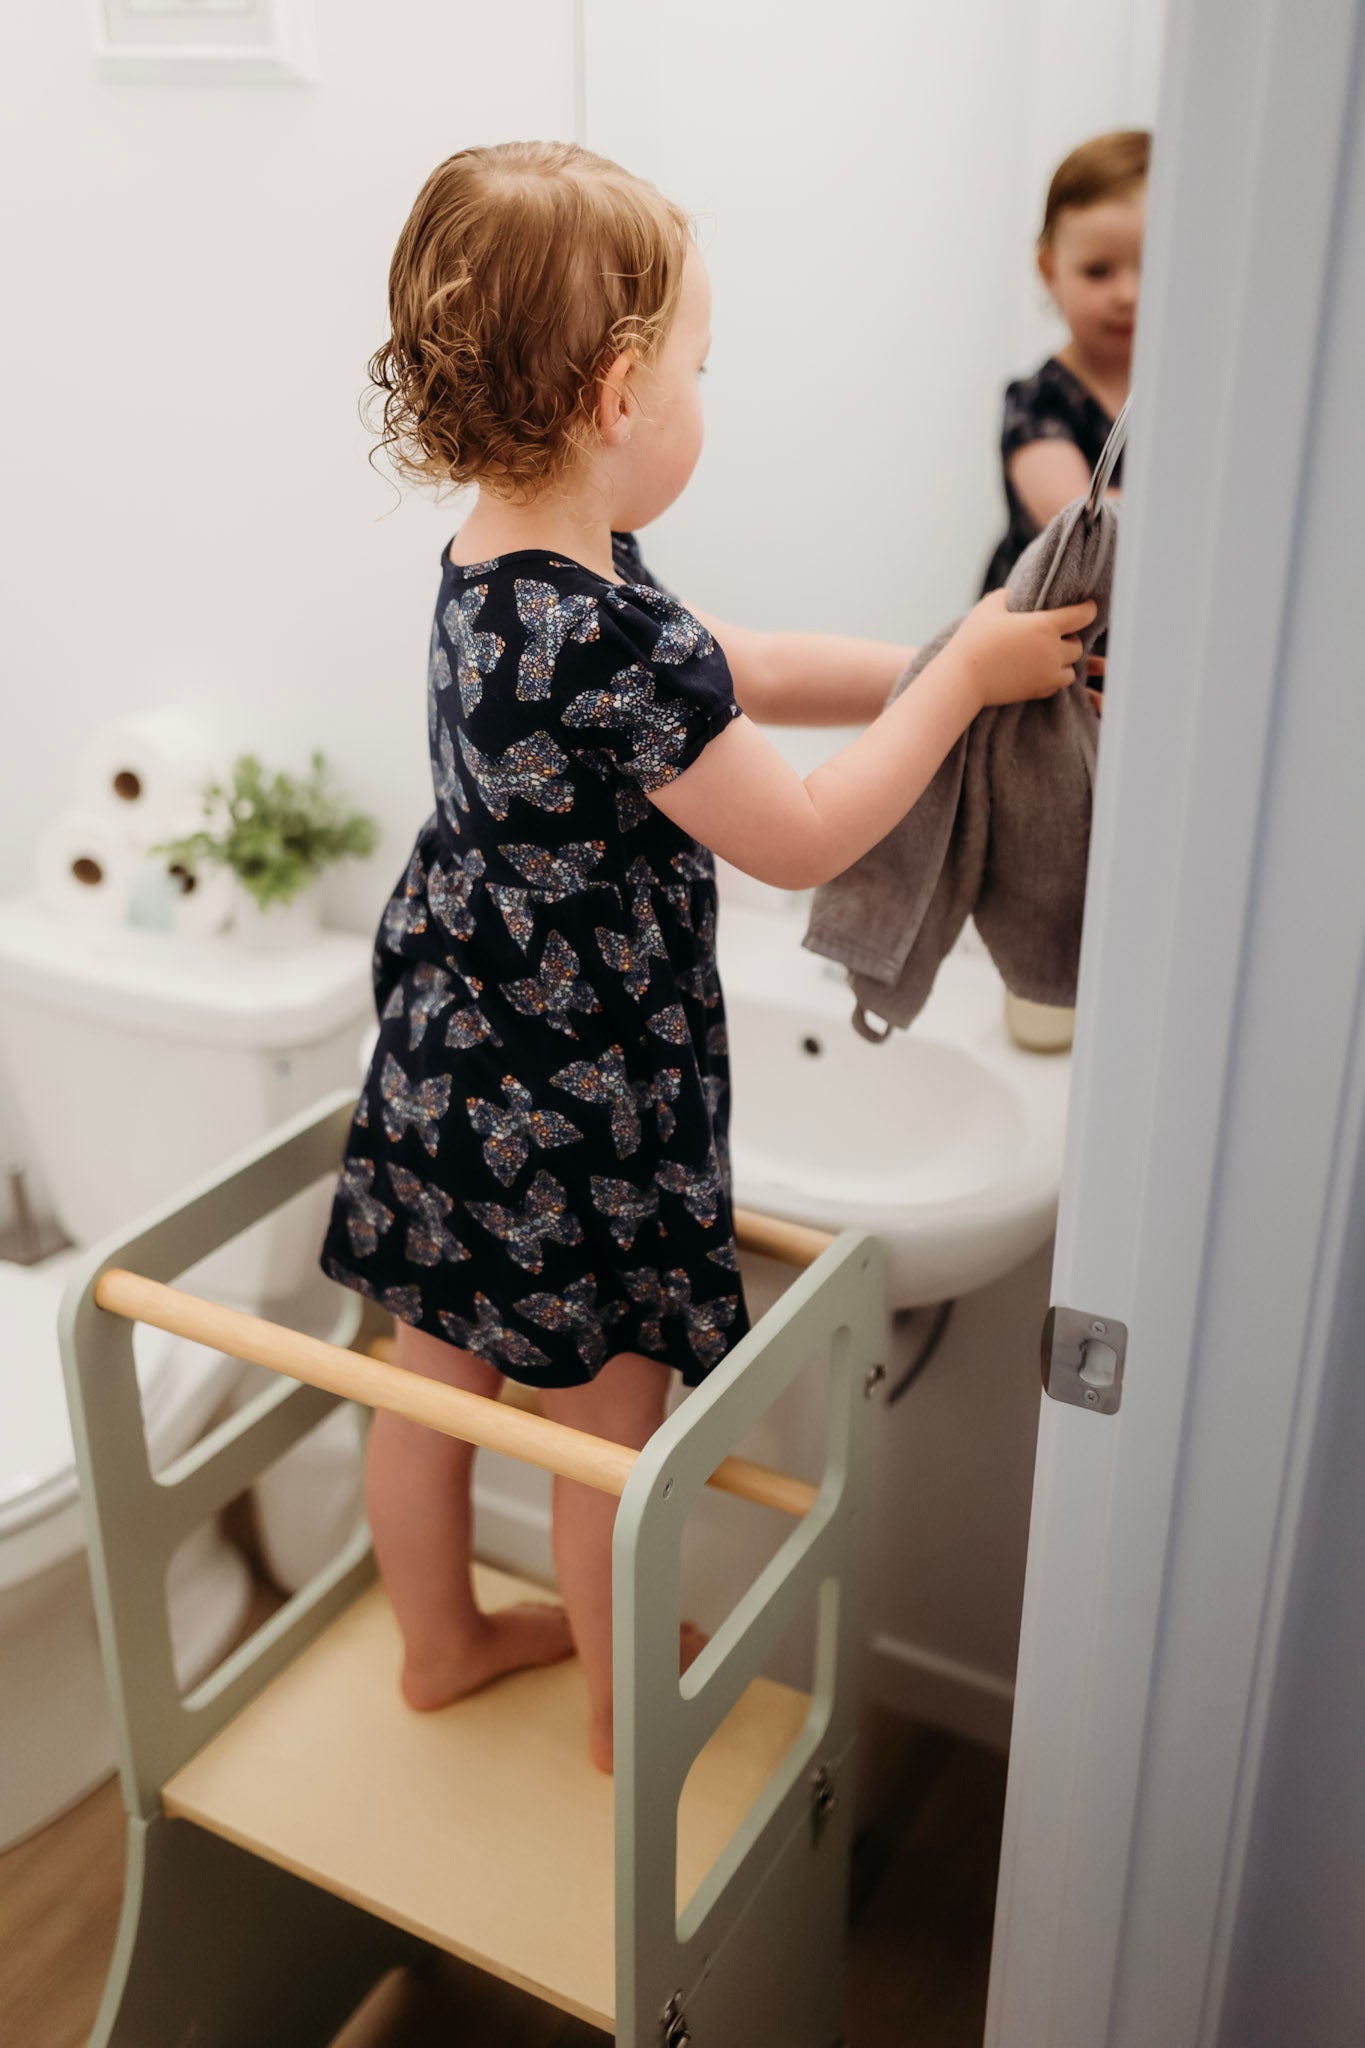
(616, 400)
(1047, 268)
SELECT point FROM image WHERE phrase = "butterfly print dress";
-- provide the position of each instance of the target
(537, 1168)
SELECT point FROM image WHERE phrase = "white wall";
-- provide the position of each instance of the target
(952, 1518)
(189, 515)
(197, 277)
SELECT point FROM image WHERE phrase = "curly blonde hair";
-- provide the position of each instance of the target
(522, 271)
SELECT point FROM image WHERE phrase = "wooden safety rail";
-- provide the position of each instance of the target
(494, 1425)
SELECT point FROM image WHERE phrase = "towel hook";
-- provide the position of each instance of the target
(1107, 464)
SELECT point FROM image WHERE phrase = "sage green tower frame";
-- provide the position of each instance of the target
(219, 1948)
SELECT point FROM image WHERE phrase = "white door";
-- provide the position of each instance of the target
(1218, 1113)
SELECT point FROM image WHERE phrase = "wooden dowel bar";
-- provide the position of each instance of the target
(758, 1483)
(765, 1487)
(796, 1244)
(512, 1393)
(495, 1425)
(452, 1410)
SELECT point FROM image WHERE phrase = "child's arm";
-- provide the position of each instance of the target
(1047, 475)
(807, 678)
(744, 801)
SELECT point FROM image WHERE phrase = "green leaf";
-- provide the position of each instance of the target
(275, 834)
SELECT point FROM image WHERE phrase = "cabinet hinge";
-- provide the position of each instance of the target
(673, 2030)
(823, 1798)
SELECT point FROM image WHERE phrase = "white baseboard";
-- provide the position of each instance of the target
(918, 1683)
(923, 1685)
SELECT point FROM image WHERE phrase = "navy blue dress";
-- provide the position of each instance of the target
(1051, 405)
(537, 1170)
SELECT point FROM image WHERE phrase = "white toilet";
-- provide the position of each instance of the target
(139, 1062)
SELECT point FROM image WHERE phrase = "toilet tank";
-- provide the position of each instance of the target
(140, 1060)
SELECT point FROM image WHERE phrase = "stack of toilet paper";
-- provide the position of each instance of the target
(140, 781)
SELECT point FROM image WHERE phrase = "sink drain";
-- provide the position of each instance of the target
(813, 1046)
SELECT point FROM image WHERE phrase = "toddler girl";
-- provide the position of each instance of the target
(1089, 256)
(536, 1181)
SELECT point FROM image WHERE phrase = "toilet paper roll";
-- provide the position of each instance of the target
(203, 902)
(199, 900)
(150, 767)
(84, 863)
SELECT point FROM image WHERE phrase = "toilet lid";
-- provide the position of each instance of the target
(206, 991)
(181, 1385)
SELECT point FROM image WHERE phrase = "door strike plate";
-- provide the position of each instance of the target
(1083, 1359)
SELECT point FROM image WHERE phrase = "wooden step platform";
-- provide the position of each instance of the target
(484, 1829)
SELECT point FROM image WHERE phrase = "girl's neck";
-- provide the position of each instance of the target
(1106, 381)
(560, 525)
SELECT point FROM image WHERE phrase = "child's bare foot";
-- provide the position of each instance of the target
(691, 1642)
(512, 1638)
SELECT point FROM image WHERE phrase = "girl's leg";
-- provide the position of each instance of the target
(417, 1491)
(625, 1403)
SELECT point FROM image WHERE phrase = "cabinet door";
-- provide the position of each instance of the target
(1218, 1109)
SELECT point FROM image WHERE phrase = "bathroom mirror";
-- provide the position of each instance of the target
(870, 183)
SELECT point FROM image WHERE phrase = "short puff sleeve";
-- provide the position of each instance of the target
(1039, 408)
(664, 692)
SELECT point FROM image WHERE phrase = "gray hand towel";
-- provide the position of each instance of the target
(1001, 833)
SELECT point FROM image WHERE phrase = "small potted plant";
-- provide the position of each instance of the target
(275, 835)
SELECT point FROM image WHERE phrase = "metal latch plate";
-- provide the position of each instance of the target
(1083, 1358)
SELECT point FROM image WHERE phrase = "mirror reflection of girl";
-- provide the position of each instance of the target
(1089, 257)
(536, 1182)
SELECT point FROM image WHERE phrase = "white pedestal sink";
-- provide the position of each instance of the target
(946, 1141)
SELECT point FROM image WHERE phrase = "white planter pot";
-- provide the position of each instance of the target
(280, 928)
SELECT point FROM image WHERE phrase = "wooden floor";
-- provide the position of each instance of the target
(923, 1894)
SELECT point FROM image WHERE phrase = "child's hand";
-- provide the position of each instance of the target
(1009, 657)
